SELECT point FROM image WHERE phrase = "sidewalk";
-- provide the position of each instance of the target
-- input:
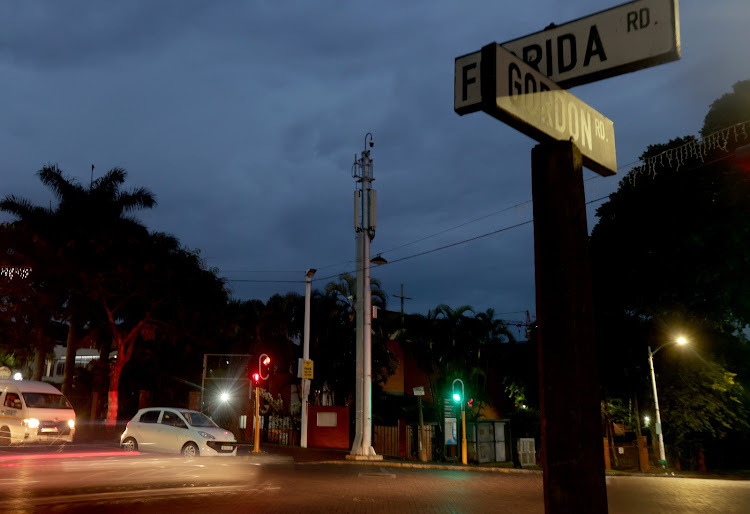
(273, 452)
(277, 454)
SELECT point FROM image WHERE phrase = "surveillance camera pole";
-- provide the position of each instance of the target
(364, 226)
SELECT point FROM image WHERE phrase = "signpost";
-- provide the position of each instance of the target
(419, 393)
(520, 83)
(622, 39)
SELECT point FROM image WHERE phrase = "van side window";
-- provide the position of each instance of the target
(13, 401)
(150, 416)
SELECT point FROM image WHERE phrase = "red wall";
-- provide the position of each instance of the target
(328, 437)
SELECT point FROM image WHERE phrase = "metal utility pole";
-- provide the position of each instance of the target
(305, 357)
(662, 453)
(364, 226)
(402, 302)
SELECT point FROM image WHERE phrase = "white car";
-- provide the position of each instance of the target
(178, 431)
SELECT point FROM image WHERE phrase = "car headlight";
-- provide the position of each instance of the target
(31, 422)
(72, 423)
(206, 435)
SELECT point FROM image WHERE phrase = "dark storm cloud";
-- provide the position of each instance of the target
(244, 118)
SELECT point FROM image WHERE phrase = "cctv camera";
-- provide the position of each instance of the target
(372, 142)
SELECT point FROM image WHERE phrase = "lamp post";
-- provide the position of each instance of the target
(306, 356)
(659, 431)
(461, 399)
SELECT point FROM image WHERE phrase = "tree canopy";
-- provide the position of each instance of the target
(670, 256)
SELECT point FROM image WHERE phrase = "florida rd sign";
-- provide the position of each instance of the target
(619, 40)
(502, 85)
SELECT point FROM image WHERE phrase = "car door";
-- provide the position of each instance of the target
(173, 431)
(147, 428)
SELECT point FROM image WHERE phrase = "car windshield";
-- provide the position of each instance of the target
(46, 401)
(197, 419)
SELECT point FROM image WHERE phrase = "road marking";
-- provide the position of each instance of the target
(117, 495)
(377, 475)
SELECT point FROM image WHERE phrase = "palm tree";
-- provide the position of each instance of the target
(345, 293)
(82, 219)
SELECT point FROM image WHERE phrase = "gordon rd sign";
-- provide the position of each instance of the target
(502, 85)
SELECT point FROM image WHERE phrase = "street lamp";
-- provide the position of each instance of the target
(306, 356)
(379, 260)
(659, 431)
(460, 399)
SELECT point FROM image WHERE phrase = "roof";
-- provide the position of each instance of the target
(29, 386)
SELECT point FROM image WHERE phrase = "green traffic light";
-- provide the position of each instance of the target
(456, 397)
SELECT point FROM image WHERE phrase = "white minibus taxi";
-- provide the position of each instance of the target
(33, 412)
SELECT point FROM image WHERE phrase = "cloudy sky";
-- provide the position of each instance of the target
(243, 117)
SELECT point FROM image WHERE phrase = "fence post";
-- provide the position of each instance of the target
(642, 453)
(607, 458)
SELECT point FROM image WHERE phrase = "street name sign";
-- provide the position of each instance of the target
(502, 85)
(418, 391)
(619, 40)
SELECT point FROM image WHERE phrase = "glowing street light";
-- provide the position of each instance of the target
(662, 451)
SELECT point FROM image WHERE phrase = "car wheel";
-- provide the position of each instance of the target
(5, 436)
(190, 450)
(130, 445)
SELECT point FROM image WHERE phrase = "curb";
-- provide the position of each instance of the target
(392, 464)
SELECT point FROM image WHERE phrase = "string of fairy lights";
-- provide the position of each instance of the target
(697, 149)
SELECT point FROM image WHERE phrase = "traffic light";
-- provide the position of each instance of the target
(263, 361)
(256, 377)
(470, 403)
(458, 393)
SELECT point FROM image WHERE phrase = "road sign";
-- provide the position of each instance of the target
(622, 39)
(419, 391)
(515, 93)
(307, 369)
(467, 90)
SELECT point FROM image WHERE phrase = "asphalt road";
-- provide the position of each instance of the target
(102, 480)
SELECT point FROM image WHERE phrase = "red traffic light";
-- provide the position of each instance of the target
(256, 377)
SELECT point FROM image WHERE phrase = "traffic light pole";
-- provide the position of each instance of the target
(464, 460)
(461, 400)
(264, 359)
(256, 441)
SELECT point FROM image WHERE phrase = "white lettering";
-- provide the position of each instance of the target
(548, 108)
(586, 129)
(559, 112)
(572, 116)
